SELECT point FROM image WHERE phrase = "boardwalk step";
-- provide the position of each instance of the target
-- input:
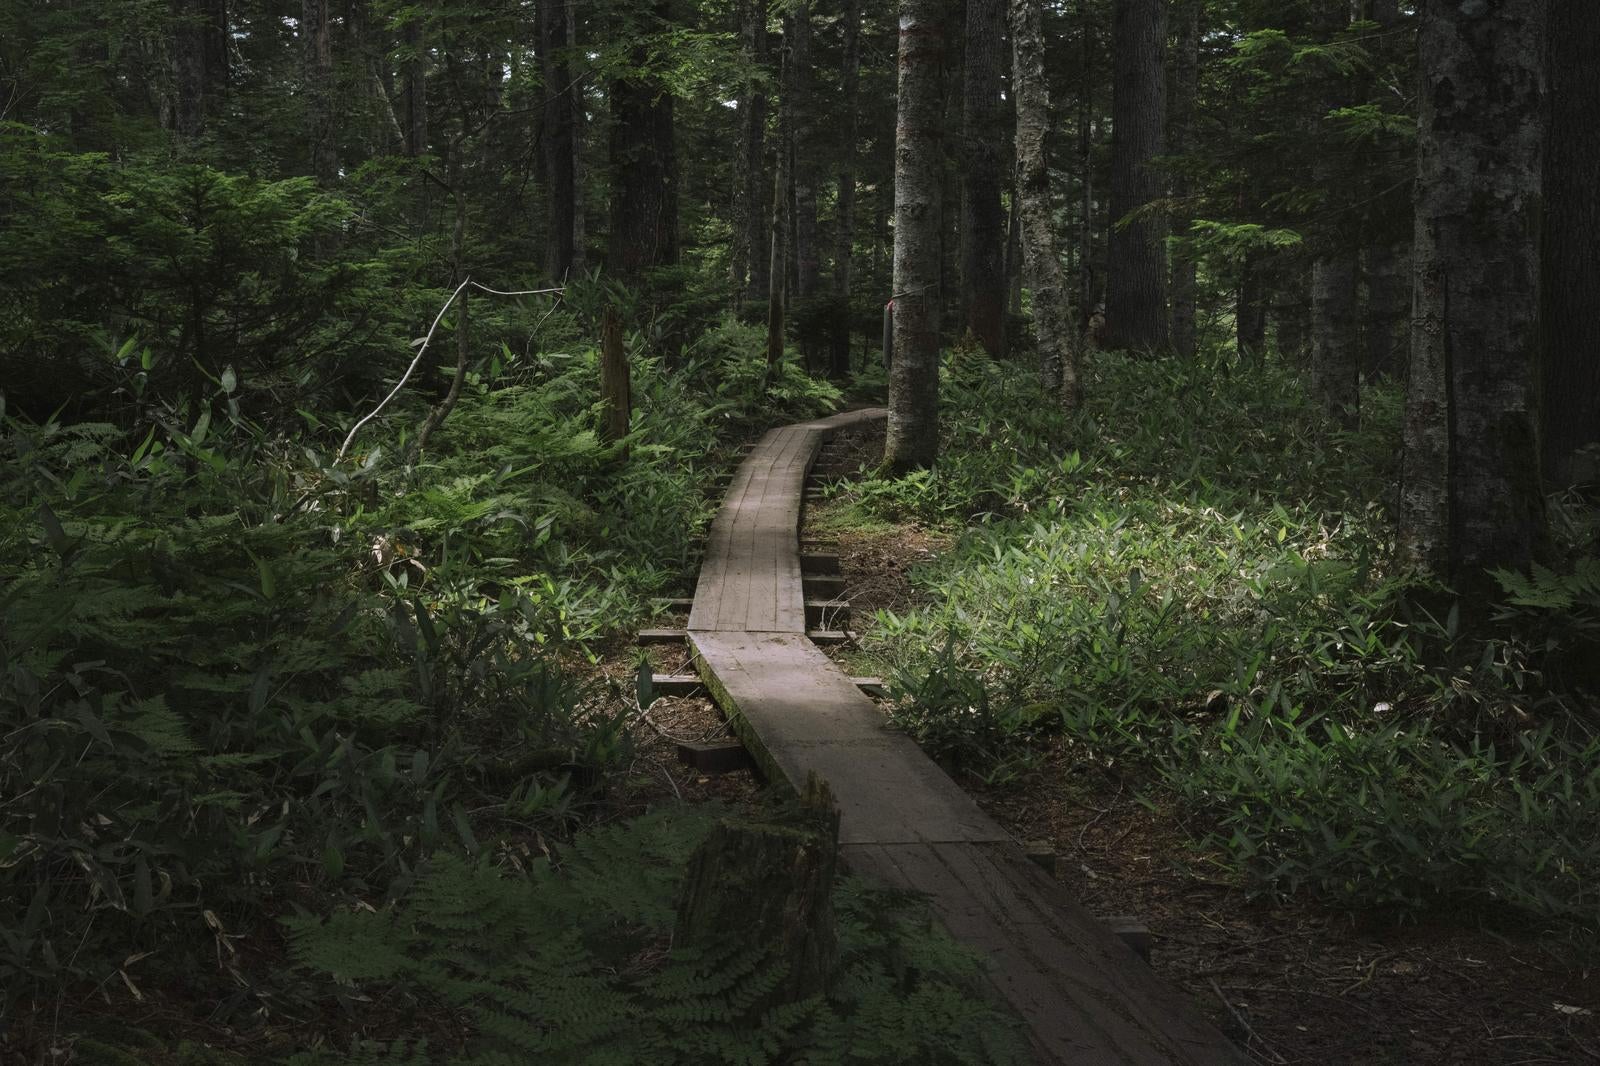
(871, 686)
(826, 586)
(646, 637)
(824, 563)
(674, 603)
(1133, 933)
(677, 685)
(820, 612)
(717, 757)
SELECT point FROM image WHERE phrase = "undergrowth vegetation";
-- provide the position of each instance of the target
(240, 677)
(1192, 582)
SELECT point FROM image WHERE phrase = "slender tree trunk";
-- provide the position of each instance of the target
(1136, 268)
(1291, 316)
(644, 186)
(559, 141)
(316, 41)
(1335, 331)
(913, 432)
(416, 76)
(755, 183)
(616, 391)
(845, 217)
(1471, 496)
(1388, 309)
(199, 62)
(777, 234)
(580, 122)
(1014, 268)
(744, 247)
(804, 157)
(1086, 291)
(1181, 111)
(1250, 308)
(1058, 366)
(1570, 286)
(982, 218)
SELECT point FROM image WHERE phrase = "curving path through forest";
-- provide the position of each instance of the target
(1084, 995)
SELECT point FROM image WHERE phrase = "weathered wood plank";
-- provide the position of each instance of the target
(1084, 996)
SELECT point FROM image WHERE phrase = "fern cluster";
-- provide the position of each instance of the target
(574, 964)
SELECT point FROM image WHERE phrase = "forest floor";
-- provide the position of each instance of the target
(1291, 982)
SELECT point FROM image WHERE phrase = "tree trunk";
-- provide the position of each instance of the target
(1291, 316)
(913, 431)
(1470, 495)
(1335, 331)
(644, 187)
(559, 140)
(803, 154)
(845, 218)
(1250, 309)
(1388, 310)
(1086, 291)
(316, 41)
(616, 391)
(416, 75)
(1136, 266)
(754, 180)
(199, 62)
(1570, 286)
(1014, 270)
(777, 233)
(1058, 367)
(1334, 367)
(1181, 112)
(982, 219)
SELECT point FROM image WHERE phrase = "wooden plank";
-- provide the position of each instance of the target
(825, 637)
(677, 685)
(1083, 995)
(660, 636)
(798, 714)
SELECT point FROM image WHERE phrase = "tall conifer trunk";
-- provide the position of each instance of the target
(644, 187)
(1570, 285)
(1136, 267)
(1181, 110)
(316, 42)
(1471, 496)
(754, 182)
(982, 218)
(845, 218)
(560, 141)
(913, 431)
(1335, 331)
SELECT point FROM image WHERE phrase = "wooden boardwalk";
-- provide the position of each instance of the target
(1083, 993)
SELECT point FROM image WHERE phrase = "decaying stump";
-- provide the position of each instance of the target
(616, 390)
(769, 884)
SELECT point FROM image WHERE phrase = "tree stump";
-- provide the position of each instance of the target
(771, 885)
(616, 391)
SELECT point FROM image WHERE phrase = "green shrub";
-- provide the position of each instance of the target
(1200, 587)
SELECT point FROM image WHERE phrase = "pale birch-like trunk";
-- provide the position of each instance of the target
(913, 430)
(1046, 281)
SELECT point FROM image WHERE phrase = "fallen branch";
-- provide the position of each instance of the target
(426, 340)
